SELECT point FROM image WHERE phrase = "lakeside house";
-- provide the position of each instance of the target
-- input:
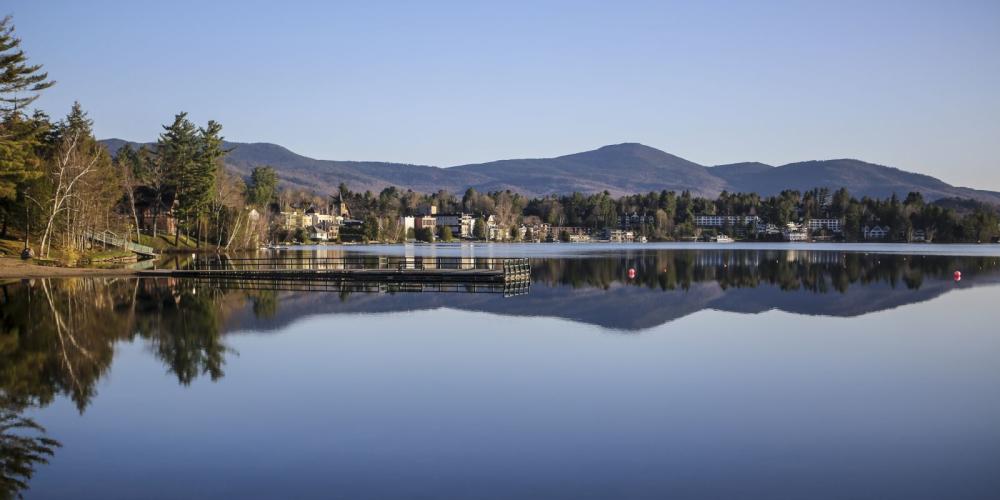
(768, 229)
(317, 234)
(538, 230)
(876, 232)
(795, 232)
(156, 208)
(619, 235)
(576, 234)
(493, 229)
(294, 220)
(425, 221)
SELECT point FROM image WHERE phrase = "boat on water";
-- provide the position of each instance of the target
(722, 239)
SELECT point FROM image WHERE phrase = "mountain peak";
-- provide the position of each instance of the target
(620, 169)
(628, 146)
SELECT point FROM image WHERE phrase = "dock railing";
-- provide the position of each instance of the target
(512, 269)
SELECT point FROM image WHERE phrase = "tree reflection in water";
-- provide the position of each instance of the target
(23, 446)
(813, 271)
(57, 338)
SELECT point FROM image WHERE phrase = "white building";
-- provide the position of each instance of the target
(322, 219)
(317, 234)
(724, 220)
(493, 231)
(834, 225)
(768, 229)
(619, 235)
(795, 232)
(407, 223)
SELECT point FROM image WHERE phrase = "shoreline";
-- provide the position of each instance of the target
(15, 268)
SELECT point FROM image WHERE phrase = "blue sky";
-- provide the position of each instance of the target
(909, 84)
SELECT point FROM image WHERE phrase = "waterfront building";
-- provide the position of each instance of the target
(795, 232)
(425, 221)
(461, 224)
(619, 235)
(156, 208)
(295, 220)
(406, 223)
(725, 220)
(635, 220)
(876, 232)
(834, 225)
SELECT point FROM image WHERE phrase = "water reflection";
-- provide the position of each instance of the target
(23, 447)
(58, 337)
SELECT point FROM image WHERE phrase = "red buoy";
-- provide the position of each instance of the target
(631, 273)
(958, 275)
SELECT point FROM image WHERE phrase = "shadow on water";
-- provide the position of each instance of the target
(58, 336)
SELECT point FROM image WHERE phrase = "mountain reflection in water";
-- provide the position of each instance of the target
(58, 336)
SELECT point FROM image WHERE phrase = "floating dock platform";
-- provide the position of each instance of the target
(360, 268)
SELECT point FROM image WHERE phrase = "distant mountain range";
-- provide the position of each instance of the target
(619, 169)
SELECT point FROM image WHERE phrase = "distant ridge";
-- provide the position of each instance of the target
(619, 169)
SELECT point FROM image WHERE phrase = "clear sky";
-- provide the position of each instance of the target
(911, 84)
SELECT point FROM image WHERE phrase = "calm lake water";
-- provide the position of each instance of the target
(718, 371)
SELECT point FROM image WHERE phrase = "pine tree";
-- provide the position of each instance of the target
(20, 82)
(263, 186)
(177, 150)
(206, 166)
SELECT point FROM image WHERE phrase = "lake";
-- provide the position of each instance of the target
(635, 371)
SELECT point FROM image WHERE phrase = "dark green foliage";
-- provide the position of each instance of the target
(190, 157)
(371, 228)
(263, 186)
(444, 233)
(20, 161)
(425, 234)
(20, 82)
(667, 215)
(479, 229)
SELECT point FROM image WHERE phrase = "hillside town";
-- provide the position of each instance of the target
(818, 215)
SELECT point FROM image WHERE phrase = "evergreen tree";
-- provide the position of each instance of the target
(206, 168)
(20, 136)
(20, 82)
(479, 230)
(445, 233)
(263, 186)
(177, 149)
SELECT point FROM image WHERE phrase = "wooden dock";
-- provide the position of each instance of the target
(357, 268)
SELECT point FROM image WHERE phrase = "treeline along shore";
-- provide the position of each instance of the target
(394, 215)
(65, 199)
